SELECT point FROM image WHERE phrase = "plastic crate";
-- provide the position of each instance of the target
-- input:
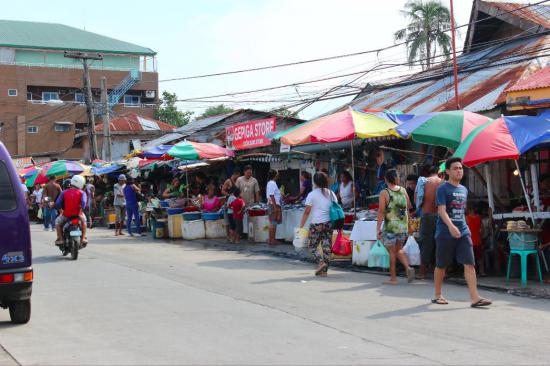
(522, 241)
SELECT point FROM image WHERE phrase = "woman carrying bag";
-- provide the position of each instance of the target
(318, 206)
(394, 205)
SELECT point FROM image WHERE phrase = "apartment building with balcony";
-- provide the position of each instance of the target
(41, 92)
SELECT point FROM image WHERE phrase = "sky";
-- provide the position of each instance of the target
(200, 37)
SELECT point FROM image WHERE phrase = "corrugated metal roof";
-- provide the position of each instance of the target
(134, 122)
(200, 123)
(539, 14)
(52, 36)
(162, 140)
(540, 79)
(483, 77)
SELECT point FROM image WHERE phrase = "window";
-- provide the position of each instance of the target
(32, 129)
(79, 98)
(12, 92)
(8, 201)
(62, 127)
(132, 100)
(50, 96)
(29, 95)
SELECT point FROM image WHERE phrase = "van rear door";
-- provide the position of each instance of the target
(15, 238)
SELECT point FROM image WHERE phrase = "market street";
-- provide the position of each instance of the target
(135, 301)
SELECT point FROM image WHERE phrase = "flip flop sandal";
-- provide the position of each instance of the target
(440, 301)
(481, 302)
(59, 242)
(322, 269)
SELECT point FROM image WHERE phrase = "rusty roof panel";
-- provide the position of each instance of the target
(539, 14)
(540, 79)
(480, 85)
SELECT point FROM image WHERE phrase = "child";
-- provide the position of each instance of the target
(473, 218)
(238, 206)
(229, 212)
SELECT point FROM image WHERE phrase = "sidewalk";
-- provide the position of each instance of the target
(534, 288)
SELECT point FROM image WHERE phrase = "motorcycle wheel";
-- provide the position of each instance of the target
(74, 249)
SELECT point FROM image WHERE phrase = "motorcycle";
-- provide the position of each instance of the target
(72, 238)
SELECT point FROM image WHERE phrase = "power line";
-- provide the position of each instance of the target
(378, 50)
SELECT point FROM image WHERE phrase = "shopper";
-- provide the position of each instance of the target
(119, 203)
(274, 205)
(89, 189)
(131, 191)
(381, 169)
(346, 190)
(38, 202)
(428, 219)
(453, 239)
(51, 191)
(410, 186)
(231, 223)
(238, 206)
(474, 221)
(230, 182)
(249, 187)
(318, 204)
(393, 209)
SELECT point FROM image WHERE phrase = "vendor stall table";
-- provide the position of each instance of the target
(290, 221)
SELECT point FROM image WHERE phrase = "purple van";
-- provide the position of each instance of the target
(16, 274)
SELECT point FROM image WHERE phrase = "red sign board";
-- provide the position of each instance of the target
(249, 134)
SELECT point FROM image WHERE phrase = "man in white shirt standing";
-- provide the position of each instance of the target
(274, 201)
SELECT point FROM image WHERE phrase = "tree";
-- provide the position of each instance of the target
(285, 112)
(169, 113)
(215, 110)
(424, 34)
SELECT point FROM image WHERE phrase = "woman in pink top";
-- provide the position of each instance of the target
(211, 203)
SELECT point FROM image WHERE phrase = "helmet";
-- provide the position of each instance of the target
(66, 184)
(78, 181)
(122, 177)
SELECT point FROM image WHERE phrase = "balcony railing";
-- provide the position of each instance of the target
(126, 105)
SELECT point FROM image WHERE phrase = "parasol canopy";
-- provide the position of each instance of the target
(189, 150)
(38, 177)
(504, 138)
(62, 168)
(446, 129)
(340, 126)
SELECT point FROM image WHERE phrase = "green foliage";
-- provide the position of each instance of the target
(169, 113)
(215, 110)
(424, 34)
(285, 112)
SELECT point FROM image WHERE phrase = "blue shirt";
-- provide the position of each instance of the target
(454, 200)
(130, 195)
(420, 194)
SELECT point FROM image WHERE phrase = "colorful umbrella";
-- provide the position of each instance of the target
(28, 171)
(340, 126)
(189, 150)
(504, 138)
(447, 129)
(157, 152)
(62, 168)
(37, 178)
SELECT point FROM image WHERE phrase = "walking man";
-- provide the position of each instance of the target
(120, 204)
(453, 238)
(51, 191)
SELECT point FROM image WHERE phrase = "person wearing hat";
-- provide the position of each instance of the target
(119, 202)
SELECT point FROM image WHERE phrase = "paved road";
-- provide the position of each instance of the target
(141, 302)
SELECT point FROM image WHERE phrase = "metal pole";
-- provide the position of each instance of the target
(353, 178)
(90, 111)
(535, 179)
(106, 153)
(525, 193)
(489, 187)
(457, 101)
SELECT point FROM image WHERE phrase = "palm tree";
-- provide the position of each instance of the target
(424, 34)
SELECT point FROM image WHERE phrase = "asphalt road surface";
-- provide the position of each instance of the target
(135, 301)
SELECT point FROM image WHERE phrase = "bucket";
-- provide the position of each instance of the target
(174, 226)
(158, 229)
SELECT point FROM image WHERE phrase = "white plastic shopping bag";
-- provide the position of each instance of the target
(300, 238)
(361, 251)
(412, 251)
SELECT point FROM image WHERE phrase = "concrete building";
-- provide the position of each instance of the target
(41, 91)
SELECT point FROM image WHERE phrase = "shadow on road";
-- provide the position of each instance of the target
(7, 325)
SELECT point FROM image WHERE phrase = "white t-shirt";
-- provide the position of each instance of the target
(346, 194)
(320, 203)
(273, 190)
(38, 195)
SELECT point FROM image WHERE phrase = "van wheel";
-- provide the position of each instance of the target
(20, 311)
(74, 250)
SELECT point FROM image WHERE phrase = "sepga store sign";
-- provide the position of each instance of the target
(250, 134)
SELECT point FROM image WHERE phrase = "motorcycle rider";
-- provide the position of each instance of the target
(73, 202)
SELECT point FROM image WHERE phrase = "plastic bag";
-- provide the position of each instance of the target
(412, 251)
(300, 237)
(379, 256)
(342, 245)
(361, 252)
(40, 214)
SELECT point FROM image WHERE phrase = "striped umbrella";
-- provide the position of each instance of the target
(62, 168)
(188, 150)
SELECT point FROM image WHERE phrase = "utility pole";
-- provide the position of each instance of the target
(85, 56)
(457, 101)
(106, 121)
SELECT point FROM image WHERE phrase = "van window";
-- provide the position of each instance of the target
(8, 200)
